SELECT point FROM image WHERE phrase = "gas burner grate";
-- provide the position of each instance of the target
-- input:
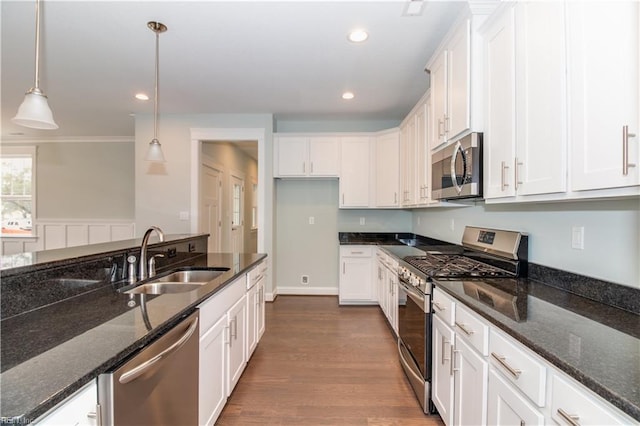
(454, 266)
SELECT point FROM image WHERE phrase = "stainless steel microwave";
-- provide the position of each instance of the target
(456, 169)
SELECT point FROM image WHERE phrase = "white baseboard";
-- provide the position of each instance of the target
(308, 291)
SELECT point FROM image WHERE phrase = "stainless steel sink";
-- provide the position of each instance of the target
(191, 276)
(178, 282)
(164, 288)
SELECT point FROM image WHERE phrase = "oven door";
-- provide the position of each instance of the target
(414, 342)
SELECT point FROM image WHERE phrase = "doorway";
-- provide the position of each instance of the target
(210, 205)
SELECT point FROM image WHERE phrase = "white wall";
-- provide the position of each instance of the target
(305, 249)
(85, 180)
(611, 243)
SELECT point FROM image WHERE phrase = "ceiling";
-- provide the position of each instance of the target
(291, 59)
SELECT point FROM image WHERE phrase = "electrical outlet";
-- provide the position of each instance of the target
(312, 220)
(577, 237)
(184, 215)
(304, 279)
(362, 221)
(452, 225)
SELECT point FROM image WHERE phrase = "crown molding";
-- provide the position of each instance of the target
(65, 139)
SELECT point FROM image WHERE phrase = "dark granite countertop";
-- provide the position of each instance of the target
(596, 343)
(91, 334)
(19, 263)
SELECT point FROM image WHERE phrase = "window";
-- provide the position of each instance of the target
(254, 206)
(18, 172)
(237, 200)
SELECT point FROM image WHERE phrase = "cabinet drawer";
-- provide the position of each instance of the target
(472, 329)
(519, 367)
(569, 402)
(218, 304)
(508, 406)
(444, 307)
(356, 251)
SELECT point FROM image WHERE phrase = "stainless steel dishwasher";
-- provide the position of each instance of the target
(159, 385)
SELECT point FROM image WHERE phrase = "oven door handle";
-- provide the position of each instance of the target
(457, 149)
(419, 299)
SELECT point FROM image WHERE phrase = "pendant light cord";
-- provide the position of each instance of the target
(37, 76)
(155, 97)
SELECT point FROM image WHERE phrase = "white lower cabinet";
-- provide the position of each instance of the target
(212, 393)
(78, 409)
(231, 321)
(387, 287)
(470, 385)
(487, 377)
(356, 275)
(507, 406)
(442, 370)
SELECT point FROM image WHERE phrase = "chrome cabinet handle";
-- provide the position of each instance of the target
(446, 126)
(343, 198)
(515, 168)
(311, 171)
(395, 197)
(235, 328)
(572, 419)
(438, 306)
(625, 150)
(452, 366)
(357, 252)
(136, 372)
(343, 270)
(464, 328)
(502, 360)
(443, 343)
(304, 167)
(503, 183)
(97, 415)
(440, 123)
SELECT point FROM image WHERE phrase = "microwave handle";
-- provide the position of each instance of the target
(457, 149)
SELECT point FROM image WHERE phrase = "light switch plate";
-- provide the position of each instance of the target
(577, 237)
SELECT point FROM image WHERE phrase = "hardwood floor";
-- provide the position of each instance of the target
(322, 364)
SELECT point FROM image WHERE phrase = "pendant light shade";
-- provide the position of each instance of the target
(34, 112)
(155, 149)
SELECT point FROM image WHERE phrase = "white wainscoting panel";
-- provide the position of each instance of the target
(52, 234)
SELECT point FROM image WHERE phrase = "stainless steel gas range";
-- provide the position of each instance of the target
(488, 263)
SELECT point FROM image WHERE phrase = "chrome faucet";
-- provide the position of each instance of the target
(143, 267)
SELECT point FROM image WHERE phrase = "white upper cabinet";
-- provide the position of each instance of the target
(355, 154)
(525, 101)
(456, 89)
(408, 148)
(306, 156)
(603, 46)
(387, 169)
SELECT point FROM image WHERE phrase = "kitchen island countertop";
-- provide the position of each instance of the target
(34, 386)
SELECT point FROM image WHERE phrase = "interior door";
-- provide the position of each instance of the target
(211, 206)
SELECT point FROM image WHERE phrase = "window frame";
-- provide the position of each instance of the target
(31, 152)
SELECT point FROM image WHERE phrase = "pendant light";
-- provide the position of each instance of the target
(34, 112)
(155, 149)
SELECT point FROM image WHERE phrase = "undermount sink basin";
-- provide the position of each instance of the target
(164, 288)
(192, 276)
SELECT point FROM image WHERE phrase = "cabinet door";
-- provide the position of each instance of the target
(458, 81)
(236, 359)
(252, 320)
(470, 386)
(260, 316)
(393, 300)
(212, 394)
(506, 406)
(292, 156)
(354, 172)
(409, 161)
(355, 280)
(422, 155)
(499, 111)
(439, 98)
(324, 155)
(79, 409)
(541, 144)
(387, 169)
(603, 48)
(442, 370)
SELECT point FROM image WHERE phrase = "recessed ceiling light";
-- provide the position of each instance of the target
(348, 95)
(358, 36)
(142, 97)
(413, 8)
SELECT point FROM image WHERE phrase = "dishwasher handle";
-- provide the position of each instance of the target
(136, 372)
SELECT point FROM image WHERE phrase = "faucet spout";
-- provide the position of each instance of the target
(143, 268)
